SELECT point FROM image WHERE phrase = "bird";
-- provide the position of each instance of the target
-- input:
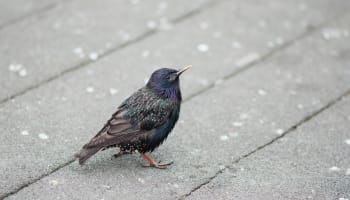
(143, 121)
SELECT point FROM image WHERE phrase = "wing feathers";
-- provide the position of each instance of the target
(135, 120)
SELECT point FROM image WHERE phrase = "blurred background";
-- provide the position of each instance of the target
(266, 111)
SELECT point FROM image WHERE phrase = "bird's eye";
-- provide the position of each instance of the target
(168, 76)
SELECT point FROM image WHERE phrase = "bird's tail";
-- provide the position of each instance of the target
(100, 141)
(86, 153)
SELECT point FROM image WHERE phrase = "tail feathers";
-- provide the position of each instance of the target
(86, 153)
(101, 141)
(89, 149)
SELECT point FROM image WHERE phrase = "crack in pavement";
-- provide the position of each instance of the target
(291, 129)
(24, 185)
(31, 13)
(294, 127)
(310, 30)
(79, 66)
(233, 74)
(85, 63)
(199, 92)
(112, 50)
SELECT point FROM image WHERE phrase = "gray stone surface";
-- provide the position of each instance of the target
(237, 115)
(67, 35)
(312, 162)
(100, 27)
(14, 10)
(240, 114)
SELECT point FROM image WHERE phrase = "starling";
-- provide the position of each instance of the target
(143, 121)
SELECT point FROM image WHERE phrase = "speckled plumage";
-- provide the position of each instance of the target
(144, 120)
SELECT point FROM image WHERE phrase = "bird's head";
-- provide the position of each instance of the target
(165, 80)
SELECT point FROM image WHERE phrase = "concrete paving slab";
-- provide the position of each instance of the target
(11, 11)
(170, 54)
(76, 32)
(240, 114)
(312, 162)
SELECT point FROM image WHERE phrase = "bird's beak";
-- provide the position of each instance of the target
(183, 70)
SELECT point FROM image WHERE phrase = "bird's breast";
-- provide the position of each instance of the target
(161, 133)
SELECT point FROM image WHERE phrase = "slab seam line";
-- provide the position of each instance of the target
(84, 63)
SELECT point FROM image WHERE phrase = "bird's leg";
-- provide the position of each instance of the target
(152, 163)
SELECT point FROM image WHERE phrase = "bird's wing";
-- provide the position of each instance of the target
(137, 116)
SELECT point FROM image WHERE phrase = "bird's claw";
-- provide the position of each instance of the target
(158, 165)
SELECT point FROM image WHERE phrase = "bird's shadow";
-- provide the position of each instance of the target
(107, 163)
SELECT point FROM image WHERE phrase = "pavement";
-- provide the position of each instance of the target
(266, 111)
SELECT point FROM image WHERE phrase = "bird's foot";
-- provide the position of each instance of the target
(158, 165)
(152, 163)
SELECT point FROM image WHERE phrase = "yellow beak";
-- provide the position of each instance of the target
(183, 70)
